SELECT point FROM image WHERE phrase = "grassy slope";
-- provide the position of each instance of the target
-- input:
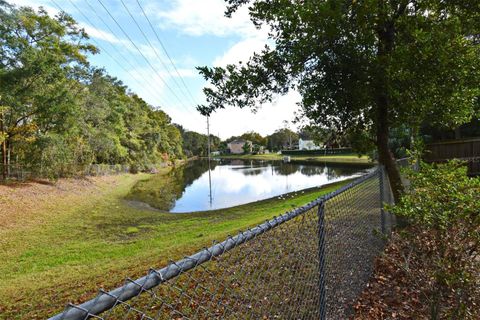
(348, 159)
(66, 251)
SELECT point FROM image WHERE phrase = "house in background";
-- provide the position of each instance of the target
(236, 146)
(307, 145)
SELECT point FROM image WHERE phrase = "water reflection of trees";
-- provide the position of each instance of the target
(194, 170)
(162, 191)
(253, 172)
(286, 169)
(331, 171)
(312, 170)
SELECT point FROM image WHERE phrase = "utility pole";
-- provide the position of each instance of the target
(209, 170)
(208, 138)
(287, 128)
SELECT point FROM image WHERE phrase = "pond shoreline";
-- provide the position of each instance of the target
(334, 159)
(80, 234)
(140, 205)
(276, 199)
(233, 183)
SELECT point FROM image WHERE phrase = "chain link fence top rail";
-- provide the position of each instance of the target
(309, 263)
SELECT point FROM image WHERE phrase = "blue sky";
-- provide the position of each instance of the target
(194, 33)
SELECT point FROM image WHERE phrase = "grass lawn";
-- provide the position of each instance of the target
(65, 246)
(338, 159)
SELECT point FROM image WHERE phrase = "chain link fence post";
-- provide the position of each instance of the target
(382, 196)
(321, 260)
(309, 263)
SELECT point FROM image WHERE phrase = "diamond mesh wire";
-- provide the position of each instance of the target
(352, 224)
(310, 263)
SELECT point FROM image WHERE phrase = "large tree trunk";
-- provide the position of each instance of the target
(386, 35)
(385, 156)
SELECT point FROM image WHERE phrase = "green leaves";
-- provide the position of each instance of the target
(61, 114)
(440, 196)
(443, 205)
(332, 52)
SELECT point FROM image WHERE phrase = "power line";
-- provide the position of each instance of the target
(150, 89)
(165, 50)
(140, 52)
(153, 47)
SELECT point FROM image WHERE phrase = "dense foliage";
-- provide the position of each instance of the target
(362, 66)
(255, 137)
(196, 144)
(282, 139)
(443, 205)
(57, 113)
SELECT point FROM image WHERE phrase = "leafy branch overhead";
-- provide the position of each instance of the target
(360, 65)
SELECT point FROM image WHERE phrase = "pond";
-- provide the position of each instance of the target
(228, 183)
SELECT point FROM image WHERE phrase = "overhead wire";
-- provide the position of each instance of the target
(113, 33)
(150, 89)
(103, 49)
(155, 51)
(141, 53)
(164, 49)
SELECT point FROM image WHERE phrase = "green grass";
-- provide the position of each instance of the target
(338, 159)
(81, 243)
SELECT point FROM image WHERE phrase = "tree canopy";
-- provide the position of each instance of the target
(57, 112)
(282, 139)
(363, 66)
(255, 137)
(196, 144)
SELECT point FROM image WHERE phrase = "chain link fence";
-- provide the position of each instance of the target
(20, 172)
(309, 263)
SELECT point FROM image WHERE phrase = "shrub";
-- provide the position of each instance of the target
(444, 203)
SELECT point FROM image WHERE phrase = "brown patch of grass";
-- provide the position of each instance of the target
(23, 202)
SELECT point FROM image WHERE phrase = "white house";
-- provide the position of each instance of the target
(307, 145)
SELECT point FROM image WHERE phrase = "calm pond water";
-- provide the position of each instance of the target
(228, 183)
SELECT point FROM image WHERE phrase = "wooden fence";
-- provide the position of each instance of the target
(467, 150)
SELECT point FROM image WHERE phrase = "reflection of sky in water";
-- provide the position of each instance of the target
(233, 185)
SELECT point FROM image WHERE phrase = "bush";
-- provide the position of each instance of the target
(134, 168)
(444, 204)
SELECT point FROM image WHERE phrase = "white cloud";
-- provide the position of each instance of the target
(35, 4)
(241, 51)
(235, 121)
(104, 35)
(186, 73)
(193, 18)
(206, 17)
(270, 116)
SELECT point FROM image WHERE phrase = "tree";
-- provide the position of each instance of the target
(360, 66)
(255, 138)
(38, 53)
(326, 136)
(247, 148)
(281, 139)
(58, 114)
